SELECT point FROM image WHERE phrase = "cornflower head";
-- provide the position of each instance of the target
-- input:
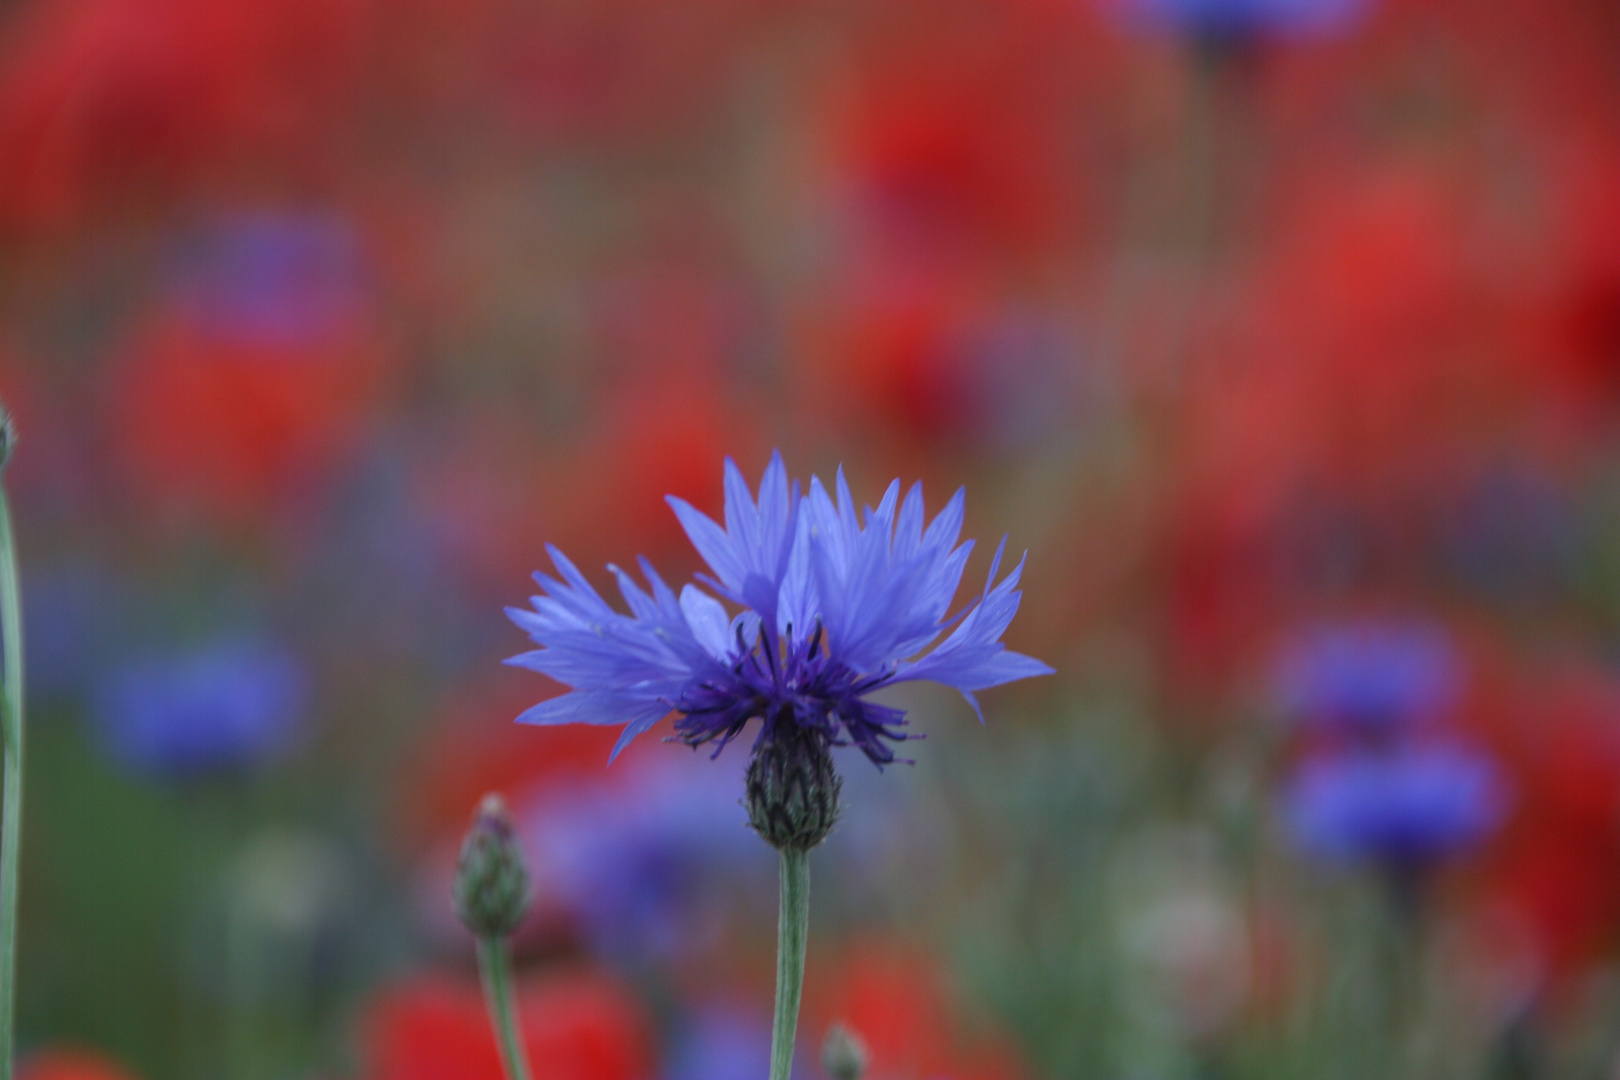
(1406, 808)
(1241, 19)
(226, 705)
(826, 606)
(1371, 679)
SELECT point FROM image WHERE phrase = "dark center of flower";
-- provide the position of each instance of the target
(786, 681)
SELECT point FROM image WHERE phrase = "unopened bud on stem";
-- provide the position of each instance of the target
(843, 1054)
(492, 884)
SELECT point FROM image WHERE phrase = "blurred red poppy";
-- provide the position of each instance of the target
(253, 376)
(896, 1000)
(105, 103)
(478, 748)
(1556, 866)
(70, 1064)
(614, 70)
(577, 1025)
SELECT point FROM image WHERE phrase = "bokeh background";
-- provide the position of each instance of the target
(1284, 334)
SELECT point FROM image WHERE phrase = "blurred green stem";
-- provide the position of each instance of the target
(1405, 896)
(792, 928)
(11, 824)
(496, 966)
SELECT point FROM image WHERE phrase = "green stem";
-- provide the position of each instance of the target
(792, 928)
(11, 720)
(496, 967)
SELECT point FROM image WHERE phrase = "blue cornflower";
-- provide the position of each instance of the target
(647, 862)
(1371, 677)
(228, 704)
(276, 278)
(1239, 19)
(67, 625)
(830, 606)
(720, 1043)
(1405, 808)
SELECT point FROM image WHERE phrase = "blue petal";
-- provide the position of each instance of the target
(708, 620)
(883, 589)
(623, 669)
(750, 556)
(710, 540)
(592, 707)
(972, 657)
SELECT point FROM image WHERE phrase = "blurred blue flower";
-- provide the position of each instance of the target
(721, 1044)
(282, 277)
(227, 704)
(834, 606)
(1404, 808)
(1511, 535)
(1238, 19)
(651, 864)
(1370, 677)
(1026, 382)
(68, 612)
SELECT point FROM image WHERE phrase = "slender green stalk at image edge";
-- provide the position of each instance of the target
(792, 929)
(496, 967)
(11, 719)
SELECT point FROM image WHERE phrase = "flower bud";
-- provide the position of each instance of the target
(843, 1054)
(792, 789)
(492, 884)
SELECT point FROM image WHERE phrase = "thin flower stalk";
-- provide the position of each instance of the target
(11, 736)
(792, 931)
(495, 965)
